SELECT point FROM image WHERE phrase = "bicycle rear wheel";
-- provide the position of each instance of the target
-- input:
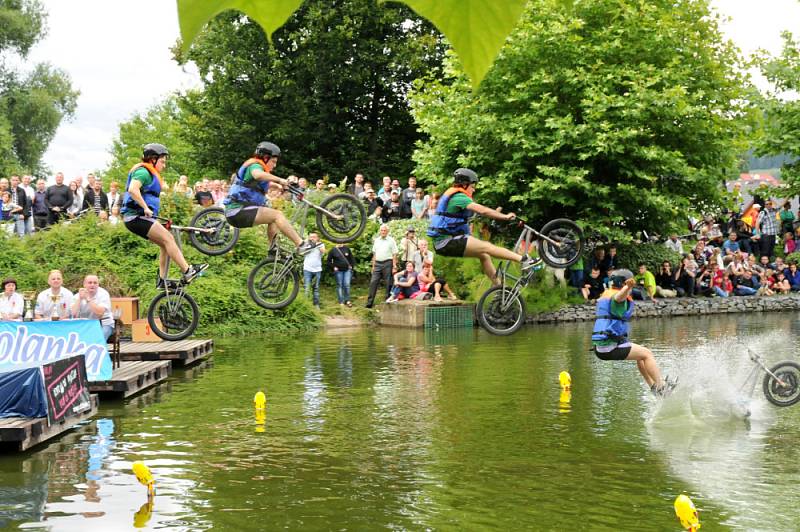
(173, 315)
(349, 226)
(499, 313)
(223, 237)
(274, 284)
(568, 246)
(788, 394)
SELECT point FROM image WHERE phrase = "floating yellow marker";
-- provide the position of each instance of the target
(261, 419)
(144, 477)
(565, 397)
(565, 379)
(260, 401)
(687, 513)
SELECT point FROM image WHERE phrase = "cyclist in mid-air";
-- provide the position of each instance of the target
(140, 206)
(246, 204)
(450, 230)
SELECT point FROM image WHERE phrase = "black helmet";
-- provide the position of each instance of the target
(154, 150)
(268, 149)
(618, 277)
(465, 176)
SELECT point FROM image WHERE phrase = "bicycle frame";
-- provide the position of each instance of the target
(528, 236)
(752, 377)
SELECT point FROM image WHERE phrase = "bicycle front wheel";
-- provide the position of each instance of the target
(221, 239)
(352, 221)
(499, 312)
(173, 315)
(567, 245)
(787, 394)
(273, 284)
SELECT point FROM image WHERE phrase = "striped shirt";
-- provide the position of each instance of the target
(768, 221)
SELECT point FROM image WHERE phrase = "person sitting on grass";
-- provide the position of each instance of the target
(405, 284)
(434, 285)
(593, 287)
(781, 285)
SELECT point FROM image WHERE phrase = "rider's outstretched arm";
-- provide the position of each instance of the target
(490, 213)
(261, 175)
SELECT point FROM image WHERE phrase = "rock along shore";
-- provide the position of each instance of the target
(681, 306)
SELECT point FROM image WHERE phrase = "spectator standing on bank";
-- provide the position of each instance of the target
(787, 218)
(408, 246)
(40, 208)
(356, 188)
(407, 195)
(384, 263)
(202, 196)
(767, 224)
(114, 197)
(95, 198)
(341, 262)
(77, 199)
(419, 205)
(59, 198)
(673, 243)
(312, 267)
(29, 191)
(19, 197)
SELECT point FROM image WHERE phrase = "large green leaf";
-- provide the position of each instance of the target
(477, 29)
(270, 14)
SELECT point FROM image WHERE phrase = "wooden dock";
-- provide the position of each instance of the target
(133, 377)
(22, 433)
(183, 353)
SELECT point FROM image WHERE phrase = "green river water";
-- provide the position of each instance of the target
(445, 430)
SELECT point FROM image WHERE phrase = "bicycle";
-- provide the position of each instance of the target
(501, 309)
(275, 282)
(781, 384)
(173, 314)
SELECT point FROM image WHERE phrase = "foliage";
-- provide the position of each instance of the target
(127, 266)
(32, 104)
(618, 114)
(330, 89)
(652, 254)
(782, 112)
(477, 29)
(160, 123)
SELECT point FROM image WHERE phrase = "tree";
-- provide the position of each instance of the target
(330, 89)
(160, 123)
(32, 105)
(782, 114)
(619, 114)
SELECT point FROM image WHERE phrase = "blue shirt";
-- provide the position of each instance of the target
(730, 245)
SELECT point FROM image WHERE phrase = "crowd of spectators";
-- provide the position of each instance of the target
(90, 301)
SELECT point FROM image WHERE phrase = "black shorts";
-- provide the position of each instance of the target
(618, 353)
(451, 246)
(242, 217)
(139, 225)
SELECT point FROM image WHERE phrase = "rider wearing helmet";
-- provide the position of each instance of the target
(246, 204)
(140, 206)
(610, 333)
(450, 230)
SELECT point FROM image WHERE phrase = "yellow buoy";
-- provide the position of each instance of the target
(144, 477)
(260, 401)
(565, 397)
(687, 513)
(565, 379)
(261, 419)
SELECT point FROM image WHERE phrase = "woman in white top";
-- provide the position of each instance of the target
(77, 199)
(55, 300)
(12, 305)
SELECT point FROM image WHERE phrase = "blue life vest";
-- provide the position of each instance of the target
(610, 327)
(449, 224)
(151, 193)
(252, 192)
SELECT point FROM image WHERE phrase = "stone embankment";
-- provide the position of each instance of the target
(681, 306)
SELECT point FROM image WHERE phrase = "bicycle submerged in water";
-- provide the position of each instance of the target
(501, 309)
(781, 382)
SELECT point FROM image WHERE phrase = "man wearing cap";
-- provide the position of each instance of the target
(408, 245)
(767, 224)
(392, 209)
(11, 303)
(93, 303)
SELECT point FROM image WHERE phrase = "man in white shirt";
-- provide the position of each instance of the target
(312, 266)
(56, 301)
(92, 303)
(674, 244)
(384, 263)
(12, 305)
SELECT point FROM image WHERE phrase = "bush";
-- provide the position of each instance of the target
(652, 254)
(127, 266)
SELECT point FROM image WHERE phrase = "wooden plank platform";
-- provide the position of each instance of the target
(183, 353)
(133, 377)
(22, 433)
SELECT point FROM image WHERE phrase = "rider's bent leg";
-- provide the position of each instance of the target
(164, 239)
(277, 219)
(484, 251)
(646, 363)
